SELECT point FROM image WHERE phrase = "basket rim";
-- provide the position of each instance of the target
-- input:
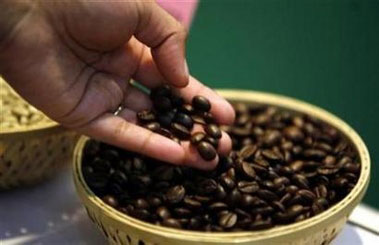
(224, 237)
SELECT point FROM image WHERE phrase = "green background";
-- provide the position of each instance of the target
(323, 52)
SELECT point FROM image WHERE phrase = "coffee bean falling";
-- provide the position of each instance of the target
(174, 119)
(284, 167)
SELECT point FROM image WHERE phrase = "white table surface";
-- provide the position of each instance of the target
(51, 214)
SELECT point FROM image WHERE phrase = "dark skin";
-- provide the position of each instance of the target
(73, 60)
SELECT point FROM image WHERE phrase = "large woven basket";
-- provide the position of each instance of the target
(30, 154)
(320, 229)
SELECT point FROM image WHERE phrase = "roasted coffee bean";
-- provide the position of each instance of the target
(142, 214)
(301, 181)
(268, 184)
(247, 152)
(146, 116)
(141, 204)
(206, 151)
(110, 200)
(306, 195)
(261, 225)
(314, 154)
(194, 223)
(153, 126)
(246, 170)
(228, 220)
(182, 212)
(165, 119)
(267, 195)
(213, 130)
(248, 200)
(340, 182)
(176, 194)
(213, 141)
(197, 137)
(234, 197)
(201, 104)
(208, 117)
(191, 203)
(297, 166)
(278, 205)
(163, 212)
(327, 171)
(218, 206)
(180, 131)
(176, 100)
(208, 186)
(281, 181)
(293, 133)
(154, 201)
(172, 223)
(202, 199)
(248, 186)
(271, 137)
(352, 167)
(220, 192)
(272, 156)
(184, 119)
(266, 210)
(187, 109)
(225, 163)
(162, 104)
(227, 182)
(286, 198)
(163, 90)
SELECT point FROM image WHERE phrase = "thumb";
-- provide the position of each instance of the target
(166, 37)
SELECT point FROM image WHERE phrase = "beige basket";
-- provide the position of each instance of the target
(320, 229)
(29, 154)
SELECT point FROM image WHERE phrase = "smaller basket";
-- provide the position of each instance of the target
(31, 153)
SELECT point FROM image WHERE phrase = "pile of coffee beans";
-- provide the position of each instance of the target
(175, 119)
(15, 111)
(284, 167)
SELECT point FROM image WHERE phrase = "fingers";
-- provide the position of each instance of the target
(121, 131)
(221, 109)
(117, 131)
(166, 38)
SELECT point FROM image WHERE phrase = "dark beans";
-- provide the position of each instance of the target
(213, 130)
(180, 131)
(176, 194)
(201, 104)
(172, 223)
(248, 186)
(162, 104)
(146, 116)
(206, 151)
(283, 168)
(197, 137)
(227, 220)
(184, 120)
(110, 200)
(246, 170)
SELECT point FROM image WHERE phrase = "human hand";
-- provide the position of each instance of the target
(73, 60)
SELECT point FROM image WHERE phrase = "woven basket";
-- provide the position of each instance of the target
(30, 154)
(320, 229)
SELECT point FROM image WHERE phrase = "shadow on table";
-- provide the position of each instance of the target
(348, 236)
(47, 214)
